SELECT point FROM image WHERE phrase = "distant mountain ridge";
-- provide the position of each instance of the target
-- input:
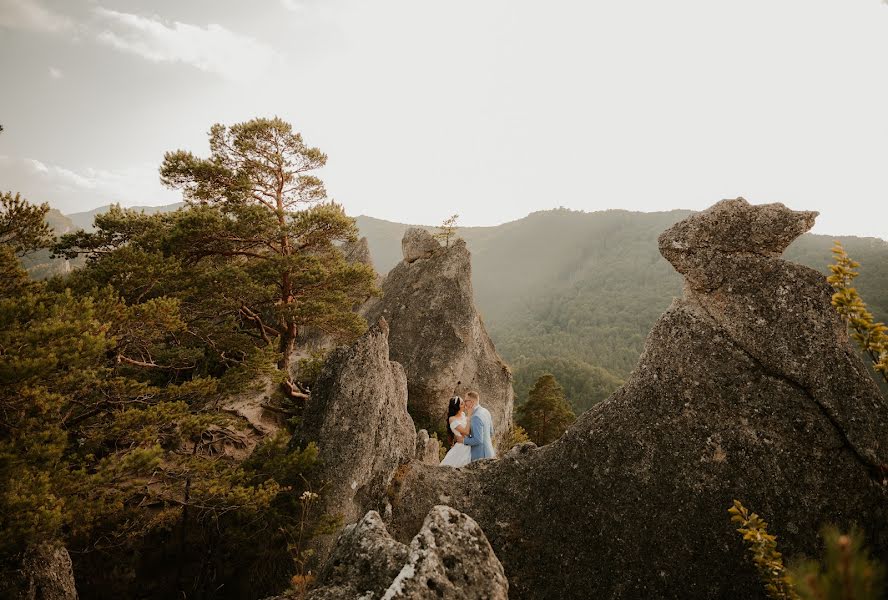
(84, 220)
(576, 293)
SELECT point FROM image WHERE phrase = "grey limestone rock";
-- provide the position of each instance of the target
(418, 243)
(747, 389)
(438, 336)
(427, 448)
(449, 558)
(357, 415)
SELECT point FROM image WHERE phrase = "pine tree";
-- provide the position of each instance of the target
(871, 336)
(546, 414)
(274, 222)
(23, 226)
(447, 230)
(254, 259)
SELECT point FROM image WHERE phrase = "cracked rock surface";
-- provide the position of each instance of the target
(357, 415)
(437, 334)
(449, 558)
(747, 389)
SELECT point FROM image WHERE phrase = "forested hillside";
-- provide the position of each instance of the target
(576, 293)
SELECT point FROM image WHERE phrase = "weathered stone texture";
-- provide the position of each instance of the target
(357, 415)
(427, 448)
(449, 558)
(437, 334)
(747, 389)
(45, 573)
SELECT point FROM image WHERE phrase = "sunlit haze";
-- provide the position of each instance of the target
(491, 109)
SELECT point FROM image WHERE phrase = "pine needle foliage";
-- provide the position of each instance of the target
(763, 550)
(871, 336)
(447, 230)
(546, 414)
(846, 572)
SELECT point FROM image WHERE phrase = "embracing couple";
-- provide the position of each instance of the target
(470, 431)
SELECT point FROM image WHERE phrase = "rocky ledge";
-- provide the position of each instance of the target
(747, 389)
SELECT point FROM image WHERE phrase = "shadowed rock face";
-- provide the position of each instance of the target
(45, 574)
(358, 417)
(438, 335)
(449, 558)
(747, 388)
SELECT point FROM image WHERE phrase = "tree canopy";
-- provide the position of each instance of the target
(546, 414)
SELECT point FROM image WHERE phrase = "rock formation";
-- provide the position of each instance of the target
(748, 388)
(357, 415)
(449, 558)
(45, 574)
(427, 448)
(438, 335)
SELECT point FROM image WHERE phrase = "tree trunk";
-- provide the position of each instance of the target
(288, 344)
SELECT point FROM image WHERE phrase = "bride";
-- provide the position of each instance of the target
(457, 424)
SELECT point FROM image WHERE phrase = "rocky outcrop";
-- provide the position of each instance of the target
(418, 243)
(747, 389)
(357, 415)
(449, 558)
(45, 573)
(358, 252)
(438, 335)
(428, 450)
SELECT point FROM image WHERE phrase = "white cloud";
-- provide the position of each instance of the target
(213, 48)
(72, 190)
(55, 73)
(30, 15)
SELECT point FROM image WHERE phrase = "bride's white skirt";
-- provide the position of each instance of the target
(458, 456)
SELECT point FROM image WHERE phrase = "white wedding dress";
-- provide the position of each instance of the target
(459, 455)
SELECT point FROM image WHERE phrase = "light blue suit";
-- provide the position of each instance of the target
(480, 440)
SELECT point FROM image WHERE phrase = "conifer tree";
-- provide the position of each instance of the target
(546, 414)
(447, 230)
(255, 258)
(273, 221)
(23, 226)
(871, 336)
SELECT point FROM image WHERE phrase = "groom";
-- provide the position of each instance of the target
(482, 429)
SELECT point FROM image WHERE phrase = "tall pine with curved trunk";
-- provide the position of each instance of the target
(275, 229)
(546, 414)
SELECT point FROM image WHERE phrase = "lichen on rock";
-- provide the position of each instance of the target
(357, 415)
(747, 388)
(437, 334)
(448, 558)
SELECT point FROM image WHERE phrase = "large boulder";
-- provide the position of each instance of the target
(437, 333)
(747, 389)
(449, 558)
(357, 415)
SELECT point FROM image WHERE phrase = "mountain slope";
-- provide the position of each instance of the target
(582, 289)
(576, 293)
(84, 220)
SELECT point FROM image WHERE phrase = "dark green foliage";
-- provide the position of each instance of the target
(845, 572)
(111, 436)
(588, 287)
(22, 225)
(546, 414)
(260, 212)
(584, 385)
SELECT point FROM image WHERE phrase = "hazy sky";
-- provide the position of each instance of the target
(487, 108)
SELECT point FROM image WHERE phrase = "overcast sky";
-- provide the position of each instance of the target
(487, 108)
